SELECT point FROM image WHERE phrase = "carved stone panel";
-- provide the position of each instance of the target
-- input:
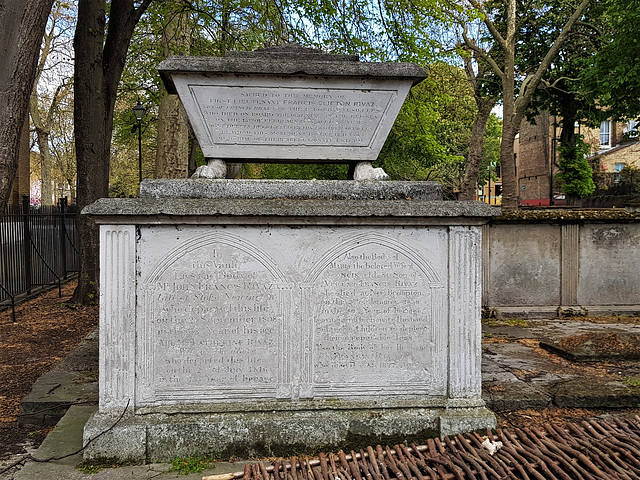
(242, 313)
(266, 118)
(290, 116)
(214, 322)
(376, 305)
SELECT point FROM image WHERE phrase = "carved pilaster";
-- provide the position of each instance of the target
(486, 264)
(464, 312)
(570, 264)
(117, 315)
(286, 344)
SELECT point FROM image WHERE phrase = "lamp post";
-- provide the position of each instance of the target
(489, 187)
(139, 112)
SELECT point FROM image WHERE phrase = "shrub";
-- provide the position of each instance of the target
(576, 177)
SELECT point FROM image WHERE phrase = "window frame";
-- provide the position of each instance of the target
(605, 132)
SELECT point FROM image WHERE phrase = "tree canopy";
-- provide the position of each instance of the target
(614, 74)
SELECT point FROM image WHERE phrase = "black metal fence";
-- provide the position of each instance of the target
(38, 248)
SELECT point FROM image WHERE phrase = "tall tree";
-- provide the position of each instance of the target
(485, 95)
(614, 75)
(101, 50)
(62, 146)
(60, 22)
(42, 125)
(502, 24)
(172, 152)
(21, 28)
(563, 92)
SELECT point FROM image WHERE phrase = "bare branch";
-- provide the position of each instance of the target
(487, 21)
(141, 9)
(482, 54)
(388, 32)
(471, 75)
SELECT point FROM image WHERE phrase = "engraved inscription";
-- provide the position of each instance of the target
(373, 320)
(291, 116)
(217, 321)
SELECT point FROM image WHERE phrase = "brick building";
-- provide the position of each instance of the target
(613, 146)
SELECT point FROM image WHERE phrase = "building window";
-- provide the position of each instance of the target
(617, 168)
(605, 133)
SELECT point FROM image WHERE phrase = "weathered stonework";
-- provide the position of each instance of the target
(546, 263)
(256, 317)
(256, 325)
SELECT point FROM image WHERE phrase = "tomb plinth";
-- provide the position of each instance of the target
(252, 325)
(254, 318)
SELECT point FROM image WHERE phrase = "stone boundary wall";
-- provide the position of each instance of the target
(534, 266)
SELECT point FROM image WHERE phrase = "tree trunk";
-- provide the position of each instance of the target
(22, 25)
(42, 136)
(510, 194)
(46, 191)
(24, 163)
(472, 168)
(509, 127)
(99, 62)
(569, 112)
(172, 153)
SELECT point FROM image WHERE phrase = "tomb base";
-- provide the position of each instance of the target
(333, 315)
(159, 435)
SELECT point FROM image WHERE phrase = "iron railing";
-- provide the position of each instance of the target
(38, 248)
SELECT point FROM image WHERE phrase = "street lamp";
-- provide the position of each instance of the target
(139, 112)
(489, 188)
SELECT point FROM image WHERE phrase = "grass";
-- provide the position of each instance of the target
(90, 469)
(506, 322)
(632, 382)
(185, 466)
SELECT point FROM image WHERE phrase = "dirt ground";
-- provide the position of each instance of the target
(46, 329)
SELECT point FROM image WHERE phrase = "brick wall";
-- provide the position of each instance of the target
(628, 154)
(533, 159)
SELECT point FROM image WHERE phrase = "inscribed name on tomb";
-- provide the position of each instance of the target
(375, 313)
(217, 325)
(291, 116)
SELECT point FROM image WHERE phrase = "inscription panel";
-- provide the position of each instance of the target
(374, 324)
(247, 313)
(605, 250)
(216, 325)
(290, 116)
(272, 118)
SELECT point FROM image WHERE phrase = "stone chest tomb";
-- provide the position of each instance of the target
(252, 317)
